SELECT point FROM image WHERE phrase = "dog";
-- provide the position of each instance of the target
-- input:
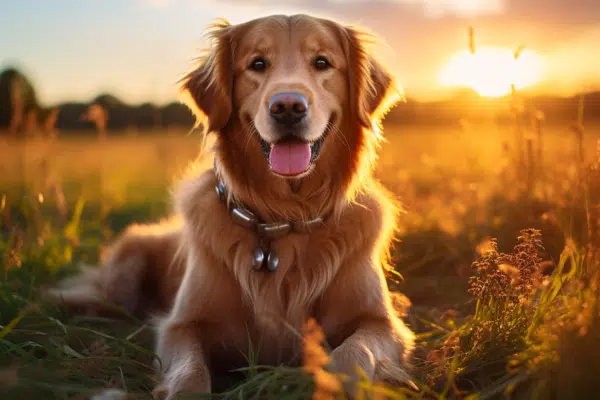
(288, 225)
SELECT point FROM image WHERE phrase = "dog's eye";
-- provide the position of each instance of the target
(259, 64)
(321, 63)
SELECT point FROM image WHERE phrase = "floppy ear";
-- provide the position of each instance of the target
(208, 89)
(373, 91)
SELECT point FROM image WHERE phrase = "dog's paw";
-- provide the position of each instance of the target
(181, 383)
(165, 391)
(161, 392)
(391, 373)
(354, 364)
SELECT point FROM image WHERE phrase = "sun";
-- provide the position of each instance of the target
(492, 70)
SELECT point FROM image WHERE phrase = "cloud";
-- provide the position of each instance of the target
(549, 11)
(440, 8)
(556, 11)
(428, 8)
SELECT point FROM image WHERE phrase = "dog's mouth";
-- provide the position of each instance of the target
(291, 156)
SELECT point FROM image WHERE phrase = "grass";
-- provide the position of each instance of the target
(498, 251)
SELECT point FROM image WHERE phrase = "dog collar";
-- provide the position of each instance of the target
(246, 218)
(265, 232)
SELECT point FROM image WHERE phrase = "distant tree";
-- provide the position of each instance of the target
(70, 118)
(176, 114)
(20, 111)
(98, 116)
(121, 116)
(147, 116)
(18, 102)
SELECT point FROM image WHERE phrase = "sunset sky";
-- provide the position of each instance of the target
(138, 49)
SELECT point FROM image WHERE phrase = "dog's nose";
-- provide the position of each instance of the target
(288, 108)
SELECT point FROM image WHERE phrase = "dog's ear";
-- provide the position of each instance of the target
(207, 90)
(373, 90)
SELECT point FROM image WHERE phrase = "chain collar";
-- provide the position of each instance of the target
(264, 255)
(247, 219)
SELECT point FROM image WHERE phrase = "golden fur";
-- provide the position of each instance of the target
(196, 267)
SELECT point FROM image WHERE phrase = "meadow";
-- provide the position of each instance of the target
(498, 251)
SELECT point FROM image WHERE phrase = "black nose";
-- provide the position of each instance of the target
(288, 108)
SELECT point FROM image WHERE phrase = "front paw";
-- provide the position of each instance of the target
(356, 363)
(393, 374)
(182, 382)
(165, 391)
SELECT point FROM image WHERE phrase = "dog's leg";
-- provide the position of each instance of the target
(205, 312)
(183, 361)
(133, 276)
(377, 348)
(183, 367)
(375, 340)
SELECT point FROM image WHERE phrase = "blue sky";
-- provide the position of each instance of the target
(73, 49)
(138, 49)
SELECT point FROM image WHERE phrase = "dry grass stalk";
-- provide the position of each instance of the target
(518, 52)
(538, 121)
(580, 109)
(315, 358)
(6, 225)
(471, 40)
(531, 166)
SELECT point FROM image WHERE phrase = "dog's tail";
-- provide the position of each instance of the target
(140, 274)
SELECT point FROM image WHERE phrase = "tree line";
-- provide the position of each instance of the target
(22, 114)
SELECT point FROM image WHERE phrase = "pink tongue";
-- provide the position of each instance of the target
(290, 158)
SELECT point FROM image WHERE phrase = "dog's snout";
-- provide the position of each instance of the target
(288, 108)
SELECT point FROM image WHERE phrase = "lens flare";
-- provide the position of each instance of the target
(491, 71)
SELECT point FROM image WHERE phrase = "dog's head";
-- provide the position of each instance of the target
(292, 84)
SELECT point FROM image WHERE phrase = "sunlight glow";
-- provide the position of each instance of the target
(439, 8)
(491, 70)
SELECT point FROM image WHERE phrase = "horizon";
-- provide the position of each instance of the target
(450, 95)
(138, 50)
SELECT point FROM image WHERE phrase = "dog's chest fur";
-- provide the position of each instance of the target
(289, 293)
(272, 306)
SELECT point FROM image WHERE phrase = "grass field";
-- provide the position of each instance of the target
(498, 251)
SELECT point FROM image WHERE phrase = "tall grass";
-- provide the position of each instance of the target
(492, 319)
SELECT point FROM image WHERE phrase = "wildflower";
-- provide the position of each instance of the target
(570, 246)
(13, 258)
(511, 271)
(487, 244)
(539, 116)
(326, 382)
(509, 276)
(315, 358)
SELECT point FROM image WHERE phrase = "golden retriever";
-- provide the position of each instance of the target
(296, 227)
